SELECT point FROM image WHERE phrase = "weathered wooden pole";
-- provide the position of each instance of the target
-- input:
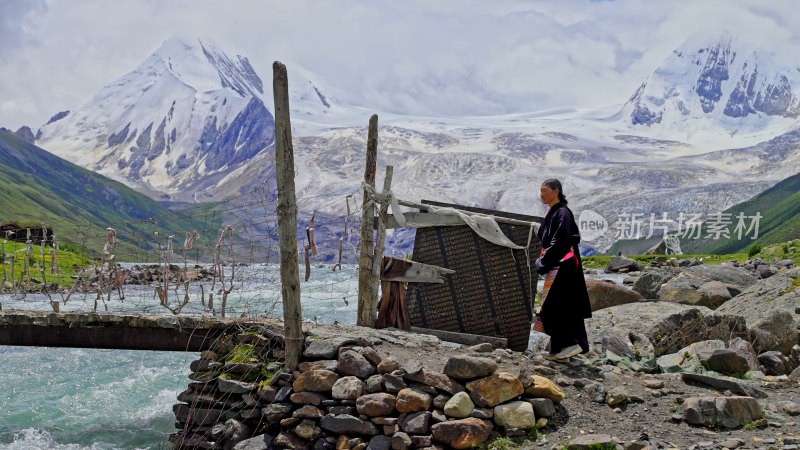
(377, 260)
(365, 294)
(287, 218)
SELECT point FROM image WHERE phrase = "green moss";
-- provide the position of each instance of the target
(242, 353)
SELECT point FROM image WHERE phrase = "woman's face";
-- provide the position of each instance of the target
(549, 196)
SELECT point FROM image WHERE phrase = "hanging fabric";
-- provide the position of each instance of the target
(392, 311)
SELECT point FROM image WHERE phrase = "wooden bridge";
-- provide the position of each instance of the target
(123, 332)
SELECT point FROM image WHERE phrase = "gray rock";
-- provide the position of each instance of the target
(347, 424)
(726, 361)
(234, 387)
(723, 383)
(591, 441)
(542, 407)
(652, 278)
(355, 364)
(604, 295)
(684, 288)
(622, 264)
(596, 391)
(745, 350)
(762, 300)
(200, 416)
(287, 439)
(667, 326)
(323, 444)
(465, 367)
(776, 331)
(308, 429)
(689, 356)
(329, 348)
(481, 348)
(715, 292)
(393, 383)
(348, 388)
(459, 406)
(417, 423)
(276, 411)
(401, 441)
(617, 346)
(775, 363)
(375, 384)
(380, 443)
(617, 396)
(729, 412)
(371, 355)
(260, 442)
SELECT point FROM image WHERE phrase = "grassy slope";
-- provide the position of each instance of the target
(79, 204)
(69, 263)
(779, 207)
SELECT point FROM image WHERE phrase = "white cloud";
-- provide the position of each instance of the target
(436, 58)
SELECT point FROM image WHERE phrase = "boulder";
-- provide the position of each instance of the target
(745, 350)
(308, 429)
(775, 363)
(462, 434)
(684, 288)
(542, 387)
(728, 412)
(515, 415)
(689, 356)
(277, 411)
(617, 396)
(667, 326)
(327, 364)
(380, 443)
(592, 441)
(497, 388)
(348, 388)
(234, 387)
(355, 364)
(375, 384)
(401, 441)
(775, 331)
(307, 412)
(715, 293)
(376, 405)
(436, 379)
(622, 264)
(542, 407)
(652, 278)
(725, 361)
(260, 442)
(315, 381)
(200, 416)
(465, 367)
(347, 424)
(724, 383)
(417, 423)
(762, 300)
(329, 348)
(388, 365)
(604, 295)
(412, 400)
(459, 406)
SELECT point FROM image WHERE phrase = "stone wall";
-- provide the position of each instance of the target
(344, 395)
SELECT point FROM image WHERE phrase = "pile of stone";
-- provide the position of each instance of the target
(344, 395)
(147, 274)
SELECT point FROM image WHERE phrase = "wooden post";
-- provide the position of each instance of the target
(287, 218)
(375, 276)
(365, 294)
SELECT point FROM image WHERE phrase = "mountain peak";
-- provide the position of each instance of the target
(198, 62)
(718, 77)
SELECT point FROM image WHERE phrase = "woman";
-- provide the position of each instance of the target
(566, 302)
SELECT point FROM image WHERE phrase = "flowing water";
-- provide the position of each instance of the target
(81, 398)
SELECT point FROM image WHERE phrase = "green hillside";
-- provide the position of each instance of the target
(779, 207)
(39, 187)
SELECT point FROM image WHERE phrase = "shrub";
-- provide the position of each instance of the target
(753, 250)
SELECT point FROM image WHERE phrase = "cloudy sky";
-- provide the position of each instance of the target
(447, 57)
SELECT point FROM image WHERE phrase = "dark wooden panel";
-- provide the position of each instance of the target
(490, 293)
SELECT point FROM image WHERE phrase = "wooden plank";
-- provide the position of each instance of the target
(422, 220)
(462, 338)
(499, 219)
(377, 259)
(422, 273)
(287, 218)
(365, 293)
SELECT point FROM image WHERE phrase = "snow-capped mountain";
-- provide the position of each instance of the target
(175, 127)
(722, 83)
(191, 123)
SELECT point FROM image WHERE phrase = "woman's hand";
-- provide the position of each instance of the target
(539, 267)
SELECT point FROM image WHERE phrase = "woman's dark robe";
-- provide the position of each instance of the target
(567, 302)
